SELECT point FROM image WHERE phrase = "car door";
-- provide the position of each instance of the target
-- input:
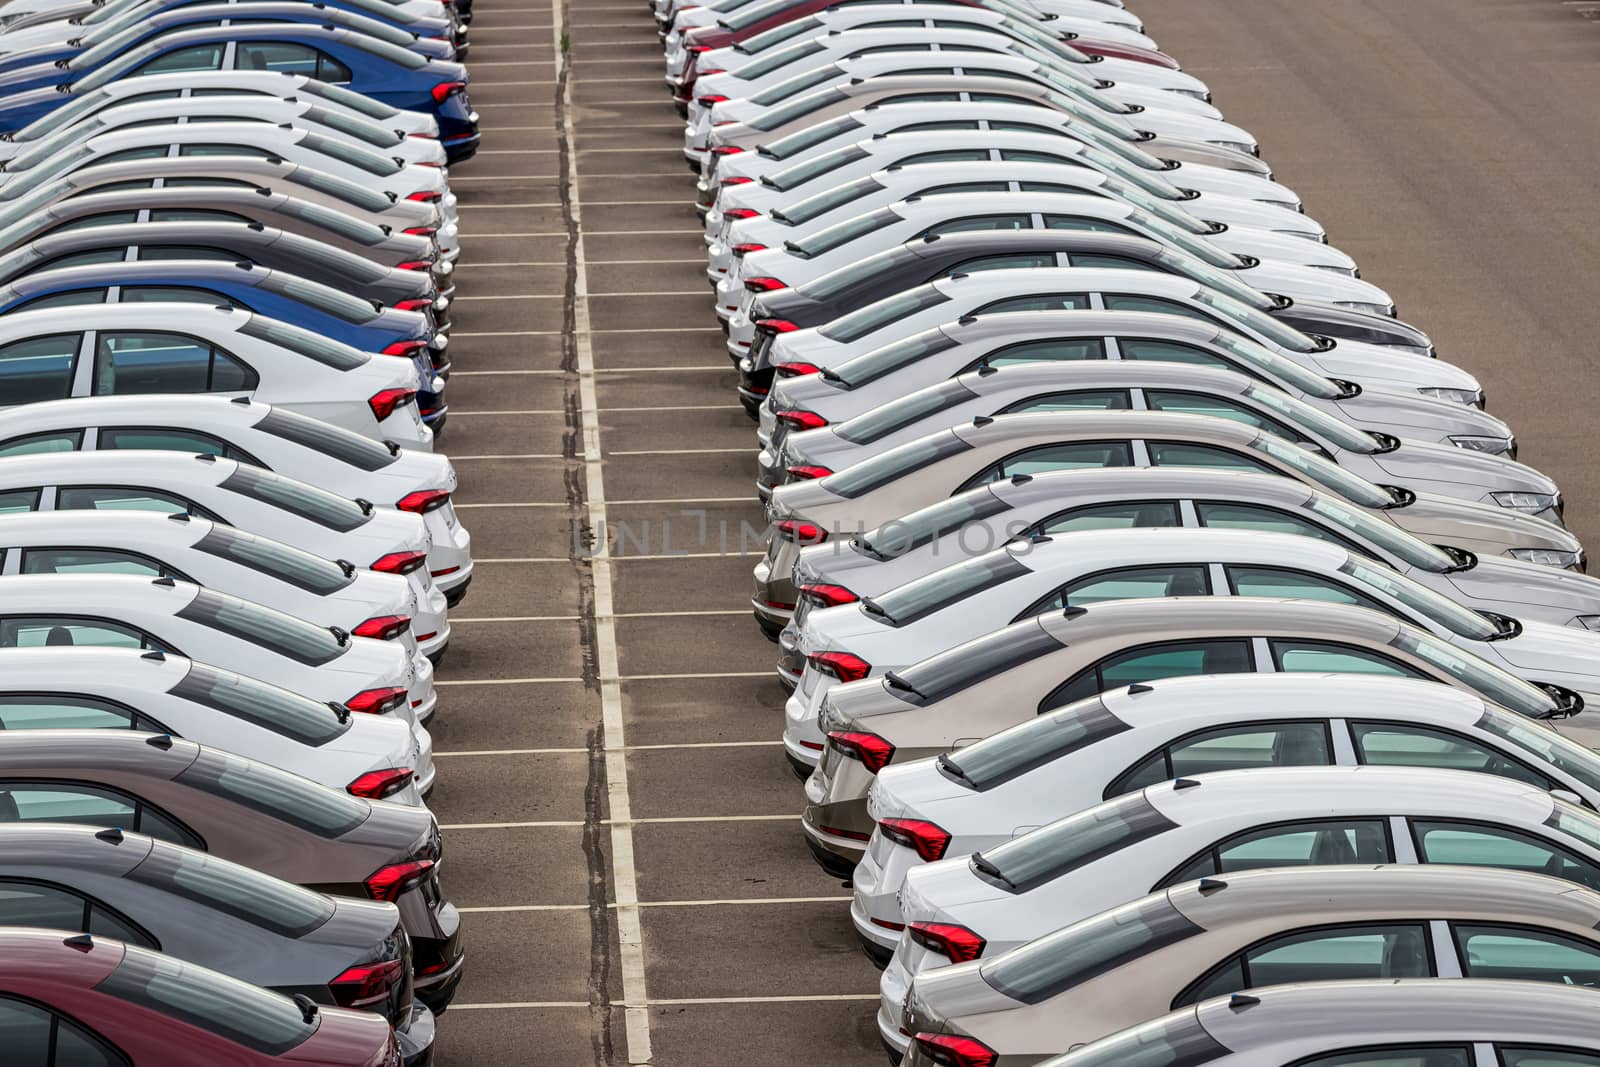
(59, 907)
(1295, 843)
(1231, 747)
(1343, 952)
(24, 800)
(35, 1034)
(35, 369)
(1152, 662)
(1066, 455)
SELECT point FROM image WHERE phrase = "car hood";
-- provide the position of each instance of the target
(1503, 580)
(1543, 649)
(1415, 415)
(1310, 283)
(1443, 520)
(1417, 461)
(1286, 248)
(1385, 368)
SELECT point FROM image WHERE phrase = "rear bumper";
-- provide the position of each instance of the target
(416, 1038)
(455, 594)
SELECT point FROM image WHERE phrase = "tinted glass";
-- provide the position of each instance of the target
(814, 167)
(166, 439)
(276, 559)
(61, 711)
(842, 233)
(898, 536)
(1067, 844)
(328, 352)
(72, 802)
(1129, 583)
(118, 498)
(1400, 745)
(1183, 454)
(37, 368)
(185, 60)
(1546, 1057)
(1298, 844)
(949, 585)
(279, 794)
(130, 363)
(1275, 582)
(878, 471)
(88, 561)
(1224, 408)
(322, 297)
(1170, 1042)
(1410, 1056)
(1315, 657)
(880, 362)
(22, 904)
(1140, 514)
(300, 498)
(1544, 743)
(1002, 756)
(50, 441)
(65, 631)
(948, 673)
(1049, 350)
(1078, 455)
(332, 441)
(25, 1030)
(896, 415)
(78, 298)
(1485, 845)
(974, 223)
(17, 501)
(1229, 748)
(1527, 955)
(1054, 963)
(1477, 674)
(784, 114)
(1037, 302)
(1152, 663)
(1230, 516)
(307, 721)
(1341, 953)
(271, 903)
(283, 57)
(262, 626)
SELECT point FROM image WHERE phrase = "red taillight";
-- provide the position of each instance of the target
(383, 403)
(423, 501)
(726, 149)
(763, 285)
(708, 73)
(378, 701)
(929, 840)
(415, 264)
(400, 562)
(807, 472)
(801, 420)
(387, 883)
(778, 325)
(427, 196)
(951, 939)
(836, 831)
(422, 231)
(795, 370)
(806, 533)
(375, 785)
(948, 1050)
(745, 250)
(367, 985)
(740, 212)
(405, 348)
(738, 181)
(696, 49)
(428, 136)
(445, 90)
(443, 573)
(416, 303)
(827, 596)
(846, 668)
(710, 98)
(873, 751)
(383, 627)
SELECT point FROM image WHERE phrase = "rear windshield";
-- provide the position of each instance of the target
(1010, 753)
(775, 117)
(248, 894)
(265, 627)
(288, 797)
(933, 592)
(335, 186)
(1050, 965)
(354, 101)
(369, 132)
(750, 14)
(815, 167)
(873, 268)
(275, 559)
(800, 140)
(339, 304)
(777, 35)
(363, 158)
(1175, 1041)
(826, 201)
(873, 317)
(269, 1023)
(860, 478)
(798, 84)
(328, 352)
(966, 665)
(332, 441)
(1542, 741)
(299, 498)
(898, 536)
(781, 57)
(1070, 843)
(896, 415)
(279, 710)
(342, 264)
(842, 233)
(335, 222)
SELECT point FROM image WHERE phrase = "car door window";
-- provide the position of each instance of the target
(104, 218)
(1133, 514)
(65, 711)
(283, 57)
(949, 155)
(1334, 953)
(1405, 745)
(1228, 516)
(1083, 400)
(979, 222)
(1318, 657)
(35, 443)
(1184, 454)
(21, 631)
(1485, 845)
(153, 151)
(965, 187)
(1546, 1057)
(1085, 223)
(93, 561)
(1244, 746)
(185, 60)
(193, 214)
(171, 439)
(1527, 955)
(139, 363)
(1407, 1056)
(1280, 582)
(38, 368)
(1296, 844)
(1015, 261)
(1135, 302)
(223, 150)
(72, 802)
(1223, 408)
(167, 252)
(1048, 350)
(173, 294)
(1151, 663)
(1075, 456)
(75, 298)
(126, 498)
(24, 904)
(18, 501)
(1093, 259)
(32, 1034)
(1025, 155)
(1040, 302)
(1129, 583)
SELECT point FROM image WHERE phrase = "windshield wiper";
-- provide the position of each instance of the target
(984, 867)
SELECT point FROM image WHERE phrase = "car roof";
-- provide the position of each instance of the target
(261, 134)
(110, 596)
(193, 79)
(237, 234)
(67, 845)
(1163, 481)
(1134, 373)
(953, 205)
(88, 528)
(196, 411)
(97, 171)
(33, 953)
(1096, 550)
(1246, 615)
(1292, 695)
(126, 751)
(153, 467)
(89, 669)
(1019, 281)
(1108, 423)
(205, 318)
(137, 272)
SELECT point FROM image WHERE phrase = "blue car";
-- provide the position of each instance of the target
(357, 61)
(310, 305)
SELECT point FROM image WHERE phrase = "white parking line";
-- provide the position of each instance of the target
(727, 901)
(631, 748)
(799, 998)
(540, 1004)
(618, 615)
(454, 458)
(543, 824)
(518, 411)
(557, 333)
(667, 368)
(680, 451)
(568, 679)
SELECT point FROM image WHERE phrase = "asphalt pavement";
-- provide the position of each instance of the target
(620, 825)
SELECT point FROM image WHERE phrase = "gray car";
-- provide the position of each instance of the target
(207, 910)
(1220, 936)
(1479, 1023)
(1019, 447)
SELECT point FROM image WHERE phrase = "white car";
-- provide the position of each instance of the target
(1028, 578)
(230, 492)
(1029, 172)
(308, 450)
(123, 349)
(162, 615)
(54, 688)
(16, 11)
(1174, 832)
(1119, 742)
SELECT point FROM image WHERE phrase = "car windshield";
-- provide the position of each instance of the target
(1303, 415)
(307, 721)
(277, 794)
(284, 562)
(361, 158)
(335, 302)
(282, 907)
(336, 261)
(898, 536)
(1328, 475)
(826, 201)
(815, 167)
(334, 442)
(1485, 678)
(1196, 246)
(1050, 965)
(875, 316)
(1176, 261)
(878, 471)
(842, 233)
(1385, 535)
(810, 137)
(338, 94)
(1258, 357)
(333, 185)
(896, 415)
(779, 57)
(276, 631)
(949, 585)
(784, 114)
(1175, 1041)
(948, 673)
(269, 1023)
(1438, 610)
(1067, 844)
(1236, 311)
(853, 274)
(57, 142)
(1000, 757)
(314, 346)
(107, 43)
(1544, 742)
(299, 498)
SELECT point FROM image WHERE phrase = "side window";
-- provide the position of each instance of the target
(1017, 261)
(1151, 663)
(949, 155)
(149, 151)
(93, 561)
(1132, 583)
(1039, 302)
(1475, 845)
(191, 214)
(1409, 1056)
(980, 222)
(166, 252)
(20, 631)
(1334, 953)
(965, 187)
(1544, 1057)
(136, 363)
(1231, 748)
(18, 501)
(1527, 955)
(1105, 400)
(1134, 302)
(1025, 155)
(1048, 350)
(36, 443)
(1075, 456)
(1168, 351)
(64, 711)
(74, 298)
(1317, 657)
(283, 57)
(223, 150)
(1080, 222)
(1183, 454)
(1094, 259)
(1223, 408)
(1228, 516)
(29, 1033)
(38, 368)
(70, 802)
(22, 904)
(185, 60)
(1276, 582)
(1297, 844)
(1404, 745)
(173, 294)
(126, 498)
(1132, 515)
(104, 218)
(165, 440)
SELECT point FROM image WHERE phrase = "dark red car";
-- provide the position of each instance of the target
(74, 1000)
(760, 18)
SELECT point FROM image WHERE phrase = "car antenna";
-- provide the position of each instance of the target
(165, 581)
(340, 711)
(81, 942)
(1184, 783)
(180, 516)
(1211, 885)
(161, 741)
(1139, 687)
(1241, 1001)
(112, 834)
(307, 1006)
(346, 566)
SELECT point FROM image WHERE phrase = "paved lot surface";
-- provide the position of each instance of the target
(608, 742)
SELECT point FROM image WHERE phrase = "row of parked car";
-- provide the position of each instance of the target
(228, 547)
(1182, 666)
